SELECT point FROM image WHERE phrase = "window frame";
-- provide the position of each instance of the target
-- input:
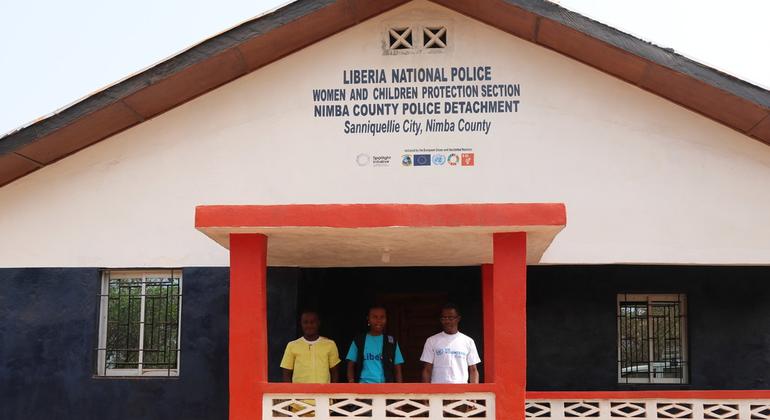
(650, 298)
(139, 371)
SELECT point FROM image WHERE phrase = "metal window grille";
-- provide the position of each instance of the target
(652, 345)
(139, 323)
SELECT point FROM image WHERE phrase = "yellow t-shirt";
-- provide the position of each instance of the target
(310, 361)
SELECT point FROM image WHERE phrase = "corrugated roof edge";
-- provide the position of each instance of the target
(664, 56)
(25, 135)
(193, 55)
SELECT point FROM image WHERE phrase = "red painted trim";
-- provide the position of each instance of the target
(345, 388)
(412, 388)
(509, 274)
(659, 394)
(381, 215)
(248, 324)
(487, 297)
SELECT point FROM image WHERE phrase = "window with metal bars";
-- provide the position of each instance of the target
(652, 344)
(139, 323)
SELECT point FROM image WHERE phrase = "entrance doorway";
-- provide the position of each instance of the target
(413, 297)
(411, 318)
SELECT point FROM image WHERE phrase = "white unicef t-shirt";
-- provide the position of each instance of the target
(450, 354)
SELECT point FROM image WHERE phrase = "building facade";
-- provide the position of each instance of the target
(594, 204)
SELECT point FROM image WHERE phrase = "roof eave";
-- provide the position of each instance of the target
(735, 103)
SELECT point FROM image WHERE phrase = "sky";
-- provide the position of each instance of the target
(54, 53)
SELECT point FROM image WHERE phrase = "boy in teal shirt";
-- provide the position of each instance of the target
(375, 358)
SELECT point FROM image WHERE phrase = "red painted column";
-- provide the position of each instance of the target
(487, 295)
(248, 325)
(509, 300)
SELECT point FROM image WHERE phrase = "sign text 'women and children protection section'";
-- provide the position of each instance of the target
(415, 101)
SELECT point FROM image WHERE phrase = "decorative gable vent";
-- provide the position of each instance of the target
(415, 38)
(400, 38)
(434, 37)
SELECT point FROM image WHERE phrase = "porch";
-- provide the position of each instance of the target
(502, 238)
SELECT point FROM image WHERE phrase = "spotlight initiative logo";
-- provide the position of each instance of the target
(363, 159)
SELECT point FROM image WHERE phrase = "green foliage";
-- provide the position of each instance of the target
(650, 339)
(161, 323)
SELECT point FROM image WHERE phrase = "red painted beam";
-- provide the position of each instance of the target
(509, 301)
(248, 324)
(393, 388)
(382, 215)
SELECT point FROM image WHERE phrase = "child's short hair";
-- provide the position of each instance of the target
(310, 311)
(376, 306)
(451, 306)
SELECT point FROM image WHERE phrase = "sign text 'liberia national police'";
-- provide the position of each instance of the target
(417, 100)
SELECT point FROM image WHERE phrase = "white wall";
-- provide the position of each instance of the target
(644, 180)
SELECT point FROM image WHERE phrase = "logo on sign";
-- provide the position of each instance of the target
(406, 160)
(439, 159)
(381, 160)
(421, 160)
(467, 159)
(363, 159)
(453, 159)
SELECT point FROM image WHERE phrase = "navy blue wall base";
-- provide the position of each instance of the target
(572, 324)
(48, 333)
(48, 328)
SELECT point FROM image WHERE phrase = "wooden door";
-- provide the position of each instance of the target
(412, 318)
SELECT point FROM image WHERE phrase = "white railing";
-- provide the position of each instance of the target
(648, 409)
(479, 406)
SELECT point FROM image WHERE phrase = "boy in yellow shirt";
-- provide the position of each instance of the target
(310, 359)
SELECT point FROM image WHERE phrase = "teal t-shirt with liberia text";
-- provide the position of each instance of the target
(371, 370)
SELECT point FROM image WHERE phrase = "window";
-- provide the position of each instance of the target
(652, 345)
(139, 323)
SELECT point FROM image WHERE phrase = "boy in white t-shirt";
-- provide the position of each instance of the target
(450, 356)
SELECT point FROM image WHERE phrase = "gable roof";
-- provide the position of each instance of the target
(253, 44)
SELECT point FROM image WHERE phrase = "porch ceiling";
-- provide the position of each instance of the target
(365, 235)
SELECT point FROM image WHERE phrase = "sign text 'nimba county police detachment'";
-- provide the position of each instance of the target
(417, 100)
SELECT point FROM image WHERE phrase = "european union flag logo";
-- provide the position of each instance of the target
(421, 160)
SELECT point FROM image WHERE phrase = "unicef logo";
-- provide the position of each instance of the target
(363, 159)
(439, 159)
